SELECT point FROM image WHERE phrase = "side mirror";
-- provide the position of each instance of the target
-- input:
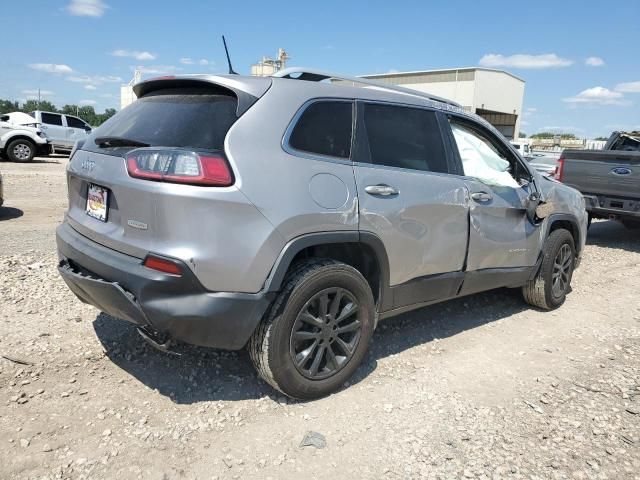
(87, 129)
(533, 202)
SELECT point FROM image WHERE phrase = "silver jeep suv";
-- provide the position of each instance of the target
(289, 215)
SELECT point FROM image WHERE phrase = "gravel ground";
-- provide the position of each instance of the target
(480, 387)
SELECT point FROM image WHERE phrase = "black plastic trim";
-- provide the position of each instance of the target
(567, 217)
(180, 306)
(276, 277)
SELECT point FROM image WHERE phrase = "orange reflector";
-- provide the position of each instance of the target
(162, 265)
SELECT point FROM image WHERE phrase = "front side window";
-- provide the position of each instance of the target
(482, 159)
(404, 137)
(324, 128)
(74, 122)
(51, 119)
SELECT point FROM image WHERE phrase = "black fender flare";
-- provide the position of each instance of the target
(276, 277)
(565, 217)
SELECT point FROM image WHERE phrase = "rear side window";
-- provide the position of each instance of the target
(404, 137)
(324, 128)
(51, 119)
(74, 122)
(172, 118)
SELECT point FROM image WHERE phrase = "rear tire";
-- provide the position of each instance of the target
(317, 331)
(21, 150)
(549, 288)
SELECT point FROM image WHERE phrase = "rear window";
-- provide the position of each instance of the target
(51, 119)
(324, 128)
(171, 118)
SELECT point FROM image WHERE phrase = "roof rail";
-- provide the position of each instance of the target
(313, 75)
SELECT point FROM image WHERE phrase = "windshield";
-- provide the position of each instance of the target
(170, 118)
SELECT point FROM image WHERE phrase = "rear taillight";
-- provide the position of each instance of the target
(559, 173)
(179, 166)
(162, 265)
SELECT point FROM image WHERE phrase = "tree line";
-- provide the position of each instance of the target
(85, 112)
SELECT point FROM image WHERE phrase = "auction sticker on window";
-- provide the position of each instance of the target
(97, 201)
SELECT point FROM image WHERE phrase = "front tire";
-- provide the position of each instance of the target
(549, 288)
(21, 150)
(317, 332)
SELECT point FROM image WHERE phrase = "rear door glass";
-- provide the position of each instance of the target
(171, 118)
(51, 119)
(405, 137)
(324, 128)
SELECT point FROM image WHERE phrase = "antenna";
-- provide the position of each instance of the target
(226, 50)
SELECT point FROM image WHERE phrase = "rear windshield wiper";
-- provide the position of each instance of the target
(110, 142)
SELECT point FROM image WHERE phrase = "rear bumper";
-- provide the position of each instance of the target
(179, 306)
(602, 205)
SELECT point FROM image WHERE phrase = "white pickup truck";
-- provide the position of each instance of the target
(20, 139)
(62, 130)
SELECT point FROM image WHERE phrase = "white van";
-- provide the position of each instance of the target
(61, 130)
(523, 147)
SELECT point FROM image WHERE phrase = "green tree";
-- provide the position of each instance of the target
(7, 106)
(601, 138)
(564, 136)
(522, 135)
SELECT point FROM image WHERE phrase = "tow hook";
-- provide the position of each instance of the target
(153, 339)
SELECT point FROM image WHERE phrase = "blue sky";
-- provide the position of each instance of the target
(80, 51)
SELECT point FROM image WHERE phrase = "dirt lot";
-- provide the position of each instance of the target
(481, 387)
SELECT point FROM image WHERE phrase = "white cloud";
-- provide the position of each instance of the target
(594, 62)
(191, 61)
(157, 69)
(33, 91)
(137, 54)
(596, 96)
(90, 87)
(87, 8)
(549, 60)
(628, 87)
(95, 79)
(87, 102)
(51, 67)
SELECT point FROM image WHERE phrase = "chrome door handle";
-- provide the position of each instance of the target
(481, 196)
(381, 190)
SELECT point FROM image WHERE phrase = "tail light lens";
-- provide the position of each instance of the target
(559, 173)
(180, 166)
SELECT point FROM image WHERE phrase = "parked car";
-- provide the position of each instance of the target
(19, 142)
(609, 179)
(291, 215)
(63, 131)
(1, 191)
(545, 163)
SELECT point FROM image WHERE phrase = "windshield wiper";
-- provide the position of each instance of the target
(111, 142)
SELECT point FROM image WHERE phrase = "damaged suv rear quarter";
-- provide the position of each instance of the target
(290, 215)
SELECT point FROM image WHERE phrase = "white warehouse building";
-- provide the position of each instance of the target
(495, 95)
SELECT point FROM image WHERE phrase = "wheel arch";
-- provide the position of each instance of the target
(20, 137)
(568, 222)
(363, 251)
